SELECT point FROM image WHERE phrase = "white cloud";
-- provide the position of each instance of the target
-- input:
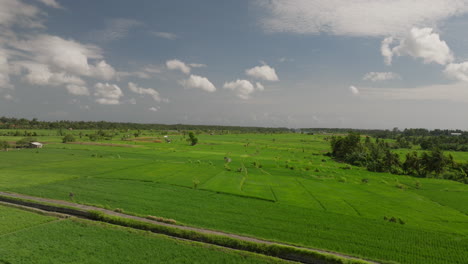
(178, 65)
(15, 12)
(151, 92)
(197, 65)
(40, 74)
(455, 92)
(380, 76)
(264, 72)
(67, 55)
(419, 43)
(77, 89)
(386, 51)
(356, 18)
(102, 71)
(243, 88)
(153, 109)
(107, 93)
(51, 3)
(165, 35)
(198, 82)
(42, 59)
(457, 71)
(354, 90)
(259, 86)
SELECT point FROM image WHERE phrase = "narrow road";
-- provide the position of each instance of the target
(195, 229)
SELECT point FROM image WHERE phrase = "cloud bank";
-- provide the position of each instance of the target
(355, 18)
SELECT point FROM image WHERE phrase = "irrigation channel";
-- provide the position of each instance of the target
(83, 211)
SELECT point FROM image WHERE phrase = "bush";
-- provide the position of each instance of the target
(68, 138)
(24, 142)
(4, 145)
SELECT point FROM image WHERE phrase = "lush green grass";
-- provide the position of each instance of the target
(292, 193)
(81, 241)
(13, 220)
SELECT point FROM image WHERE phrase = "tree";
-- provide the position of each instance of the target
(68, 138)
(4, 145)
(412, 164)
(192, 139)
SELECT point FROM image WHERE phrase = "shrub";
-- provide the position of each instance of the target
(4, 145)
(68, 138)
(24, 142)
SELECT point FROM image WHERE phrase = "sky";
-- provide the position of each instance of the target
(276, 63)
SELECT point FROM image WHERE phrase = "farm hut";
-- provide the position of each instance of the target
(35, 145)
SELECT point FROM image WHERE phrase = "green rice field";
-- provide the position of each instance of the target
(278, 187)
(27, 237)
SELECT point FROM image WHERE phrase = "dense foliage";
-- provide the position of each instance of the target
(377, 156)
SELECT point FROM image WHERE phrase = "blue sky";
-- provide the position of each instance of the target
(296, 63)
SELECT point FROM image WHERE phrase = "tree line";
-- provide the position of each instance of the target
(22, 123)
(377, 156)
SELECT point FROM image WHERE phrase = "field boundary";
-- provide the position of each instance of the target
(265, 247)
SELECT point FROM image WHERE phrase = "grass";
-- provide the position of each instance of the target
(298, 195)
(81, 241)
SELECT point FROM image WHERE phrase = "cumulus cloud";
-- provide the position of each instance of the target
(165, 35)
(419, 43)
(178, 65)
(43, 59)
(148, 91)
(243, 88)
(386, 51)
(153, 109)
(40, 74)
(107, 93)
(263, 72)
(380, 76)
(355, 18)
(68, 56)
(354, 90)
(77, 89)
(259, 86)
(102, 70)
(457, 71)
(198, 82)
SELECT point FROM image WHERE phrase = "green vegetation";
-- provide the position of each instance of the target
(274, 186)
(68, 138)
(31, 238)
(378, 157)
(192, 139)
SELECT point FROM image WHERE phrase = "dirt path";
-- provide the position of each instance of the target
(195, 229)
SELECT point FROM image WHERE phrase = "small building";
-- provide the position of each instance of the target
(35, 145)
(455, 134)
